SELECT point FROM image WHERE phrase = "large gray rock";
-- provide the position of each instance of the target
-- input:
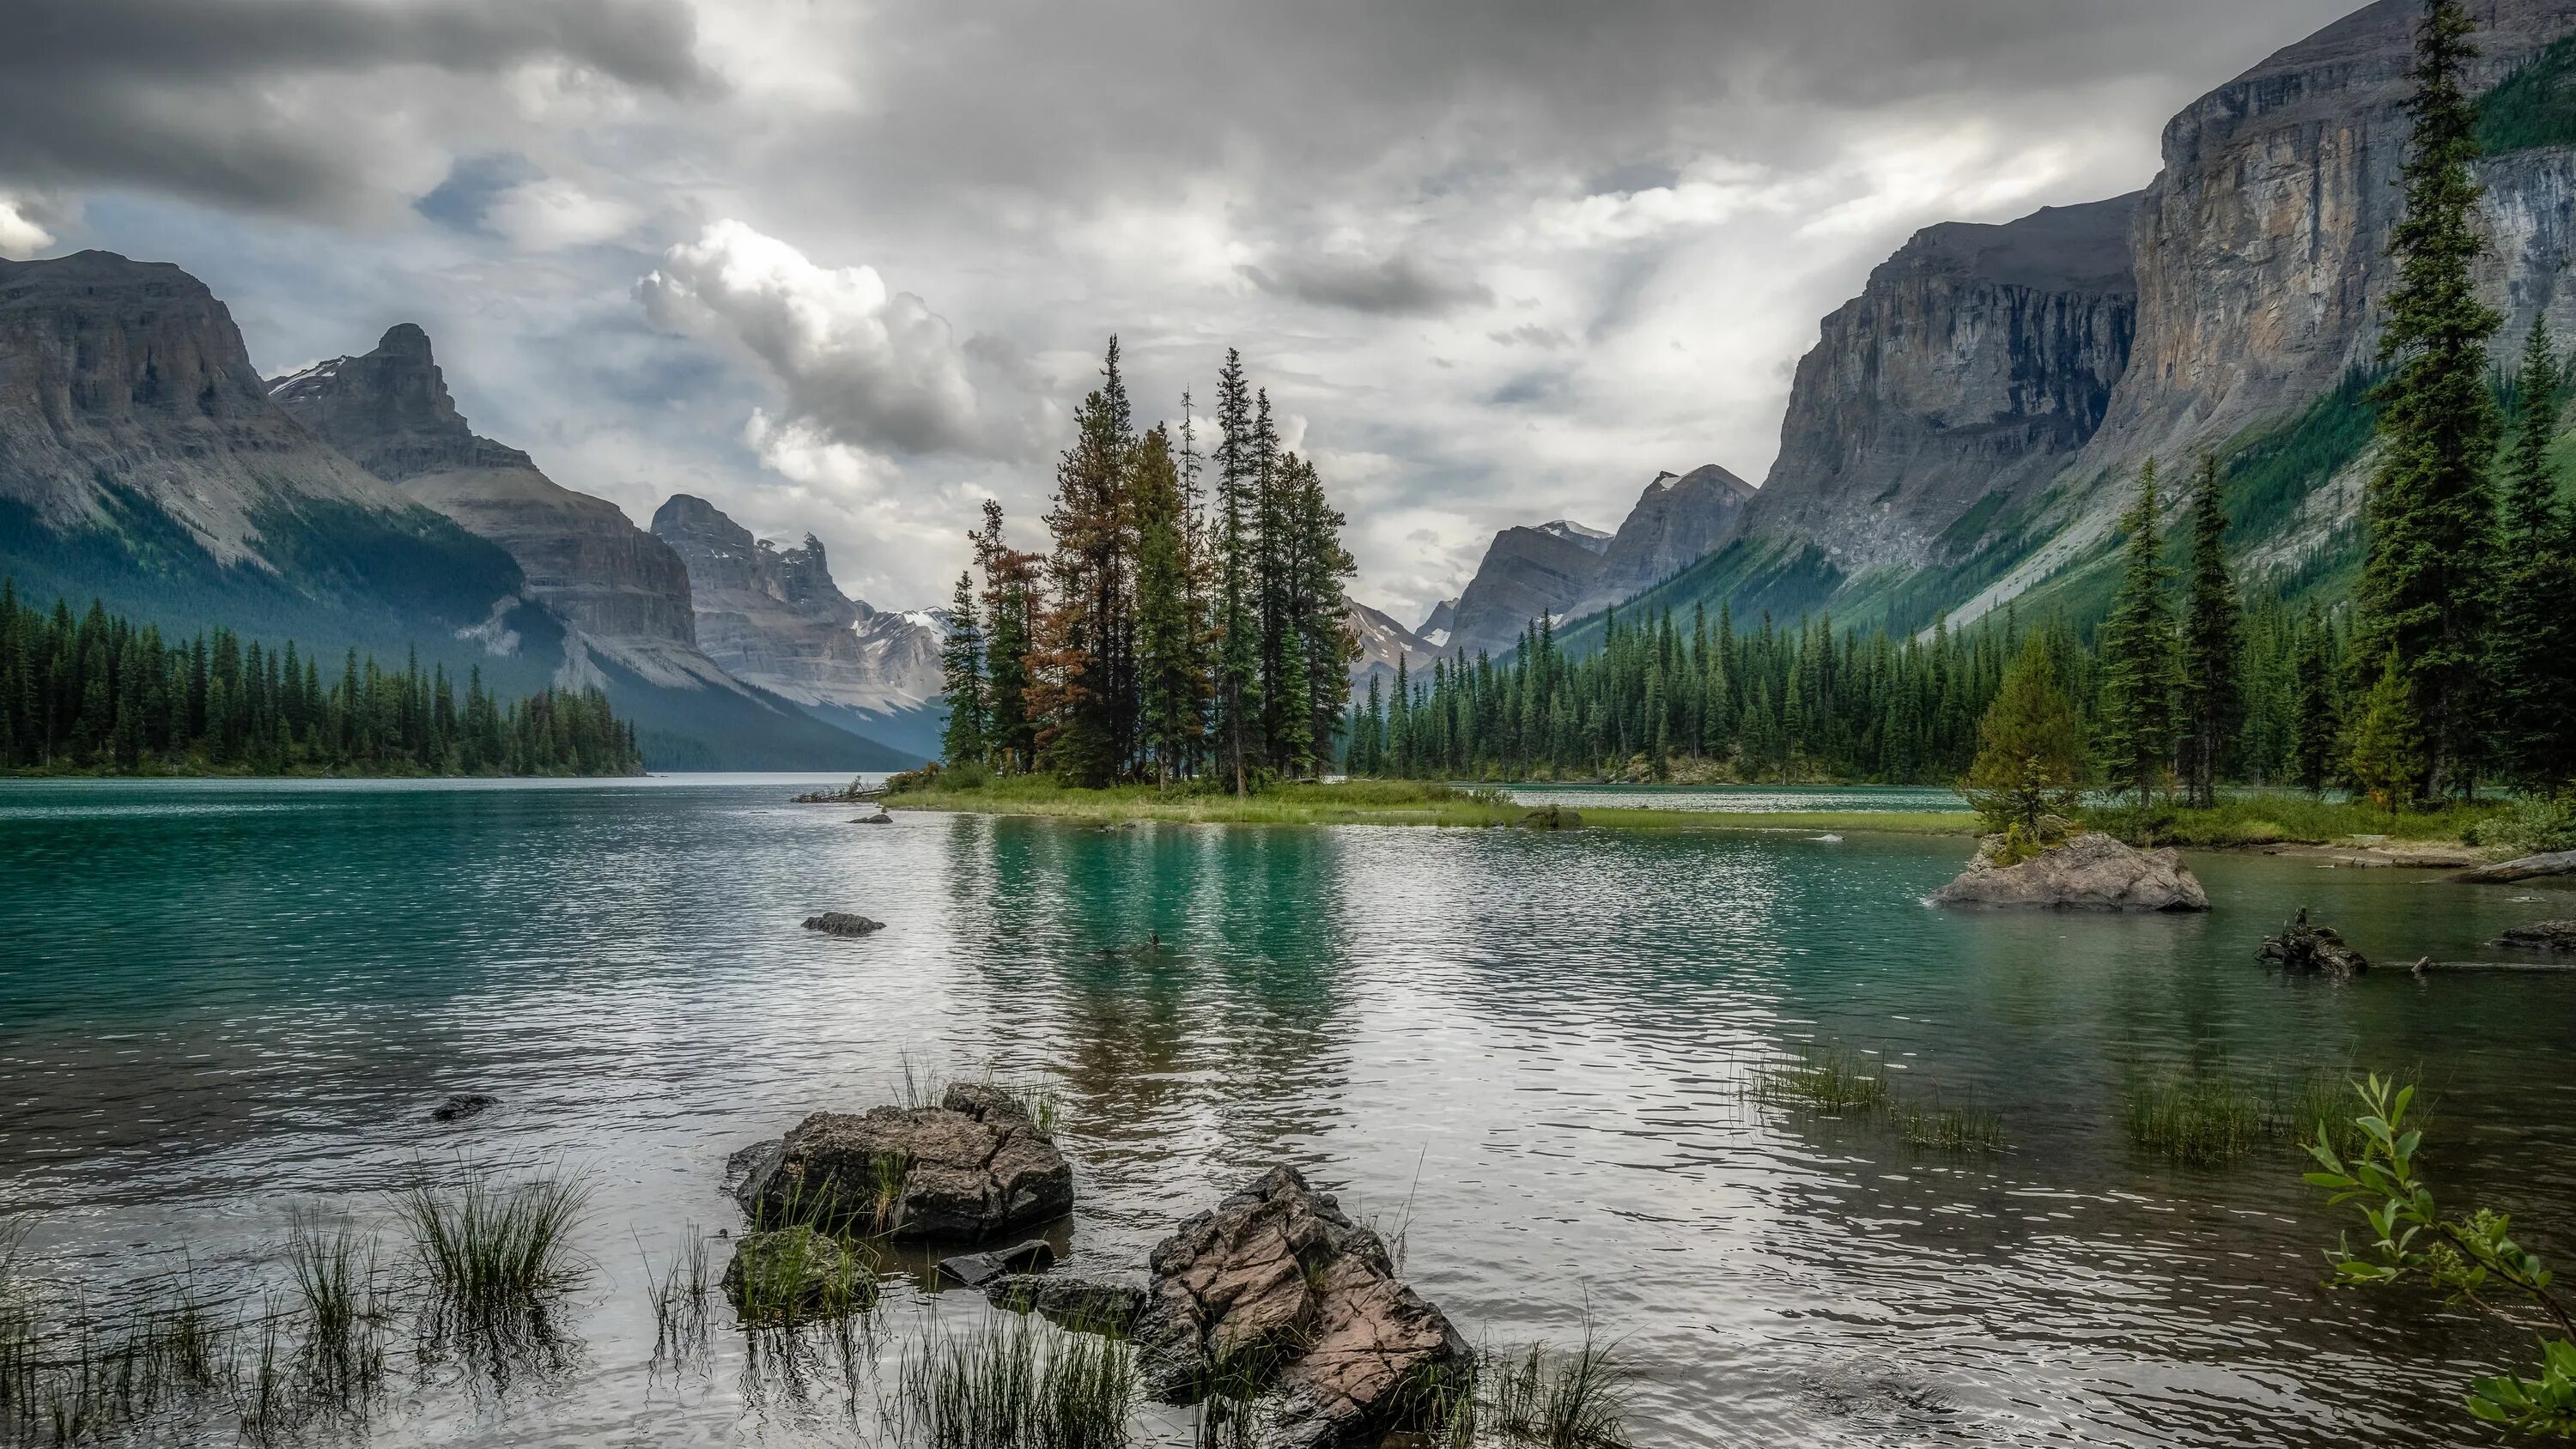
(2091, 872)
(1278, 1297)
(1085, 1302)
(970, 1168)
(2530, 867)
(2540, 936)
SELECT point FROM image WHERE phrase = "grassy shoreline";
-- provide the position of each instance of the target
(1375, 802)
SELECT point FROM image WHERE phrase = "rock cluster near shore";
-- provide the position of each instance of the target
(1278, 1294)
(970, 1168)
(2312, 950)
(2091, 872)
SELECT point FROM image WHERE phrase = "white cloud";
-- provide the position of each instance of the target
(863, 367)
(20, 236)
(551, 214)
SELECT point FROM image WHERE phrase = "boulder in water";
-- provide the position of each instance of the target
(796, 1273)
(964, 1171)
(977, 1269)
(1084, 1302)
(1282, 1298)
(2091, 872)
(2313, 950)
(842, 923)
(880, 818)
(2541, 936)
(464, 1106)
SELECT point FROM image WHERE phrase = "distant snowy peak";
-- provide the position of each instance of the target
(1575, 533)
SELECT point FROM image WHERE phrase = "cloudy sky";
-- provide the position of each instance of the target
(843, 265)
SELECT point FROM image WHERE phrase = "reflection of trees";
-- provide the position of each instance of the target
(1223, 1041)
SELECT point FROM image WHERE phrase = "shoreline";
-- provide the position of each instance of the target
(1373, 803)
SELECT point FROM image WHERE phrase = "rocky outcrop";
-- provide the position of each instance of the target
(842, 923)
(775, 617)
(797, 1273)
(1279, 1297)
(1974, 364)
(2540, 936)
(2311, 950)
(1525, 573)
(2529, 867)
(968, 1169)
(1442, 621)
(134, 429)
(2091, 872)
(1676, 521)
(623, 591)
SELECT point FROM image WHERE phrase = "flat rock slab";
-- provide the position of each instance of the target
(1279, 1293)
(2530, 867)
(2541, 936)
(2091, 872)
(977, 1269)
(965, 1171)
(840, 923)
(1083, 1302)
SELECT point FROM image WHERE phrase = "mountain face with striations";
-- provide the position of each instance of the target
(142, 460)
(1969, 428)
(775, 617)
(1675, 521)
(623, 591)
(1526, 572)
(1385, 644)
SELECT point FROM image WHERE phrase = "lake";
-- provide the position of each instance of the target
(225, 1003)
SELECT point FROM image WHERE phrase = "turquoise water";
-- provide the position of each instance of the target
(220, 1003)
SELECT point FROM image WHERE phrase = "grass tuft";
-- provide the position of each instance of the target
(1831, 1080)
(2209, 1118)
(1010, 1384)
(492, 1248)
(1540, 1399)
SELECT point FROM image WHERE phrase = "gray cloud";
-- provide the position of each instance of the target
(254, 105)
(1398, 286)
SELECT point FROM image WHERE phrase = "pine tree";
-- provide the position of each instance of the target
(2137, 711)
(2386, 760)
(1082, 683)
(2213, 645)
(1010, 634)
(961, 668)
(2535, 631)
(1238, 626)
(2314, 724)
(2030, 754)
(2426, 590)
(1171, 682)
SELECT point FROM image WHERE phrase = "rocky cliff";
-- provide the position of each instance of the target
(1974, 364)
(1675, 522)
(775, 617)
(623, 591)
(1526, 572)
(141, 460)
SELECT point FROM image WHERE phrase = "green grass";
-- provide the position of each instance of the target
(1540, 1399)
(1835, 1081)
(2290, 818)
(2212, 1117)
(1832, 1080)
(1374, 802)
(490, 1247)
(1009, 1383)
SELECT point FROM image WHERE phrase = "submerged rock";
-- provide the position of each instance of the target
(2314, 950)
(880, 818)
(1553, 817)
(464, 1106)
(2530, 867)
(977, 1269)
(1086, 1303)
(963, 1171)
(1280, 1296)
(841, 923)
(2091, 872)
(2541, 936)
(793, 1273)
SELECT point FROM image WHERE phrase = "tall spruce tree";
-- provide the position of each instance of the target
(2137, 658)
(2534, 670)
(961, 670)
(2314, 723)
(2213, 645)
(1085, 650)
(1237, 602)
(1010, 635)
(1171, 683)
(2427, 586)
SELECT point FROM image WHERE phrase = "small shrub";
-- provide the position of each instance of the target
(2533, 825)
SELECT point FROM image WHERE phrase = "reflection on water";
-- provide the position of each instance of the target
(221, 1002)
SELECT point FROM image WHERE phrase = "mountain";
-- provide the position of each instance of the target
(1436, 629)
(1675, 521)
(1382, 643)
(774, 617)
(142, 461)
(1526, 572)
(1968, 429)
(620, 594)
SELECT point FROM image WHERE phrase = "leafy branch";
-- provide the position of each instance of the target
(2469, 1258)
